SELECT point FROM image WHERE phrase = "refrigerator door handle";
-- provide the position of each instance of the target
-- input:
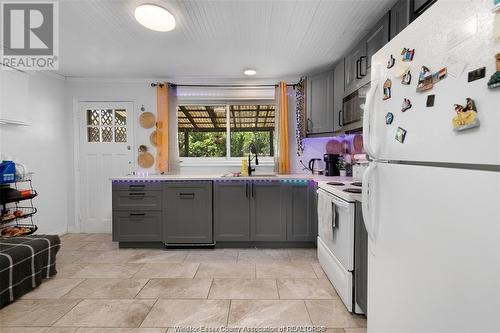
(369, 214)
(368, 125)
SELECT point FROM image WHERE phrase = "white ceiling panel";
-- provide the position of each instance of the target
(213, 39)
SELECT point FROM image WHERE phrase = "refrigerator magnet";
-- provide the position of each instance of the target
(391, 62)
(494, 81)
(406, 105)
(430, 100)
(408, 54)
(387, 89)
(401, 134)
(476, 74)
(406, 79)
(389, 118)
(466, 117)
(426, 79)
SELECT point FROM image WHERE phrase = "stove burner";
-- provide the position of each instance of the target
(359, 184)
(335, 183)
(352, 190)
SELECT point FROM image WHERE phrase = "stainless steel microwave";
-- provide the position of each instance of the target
(353, 105)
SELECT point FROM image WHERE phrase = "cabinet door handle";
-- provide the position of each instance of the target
(246, 190)
(137, 214)
(309, 122)
(186, 195)
(253, 190)
(361, 66)
(358, 63)
(340, 118)
(136, 187)
(137, 193)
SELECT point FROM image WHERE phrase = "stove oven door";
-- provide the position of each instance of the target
(336, 227)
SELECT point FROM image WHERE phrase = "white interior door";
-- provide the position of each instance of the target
(105, 151)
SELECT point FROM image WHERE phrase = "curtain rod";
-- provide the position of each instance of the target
(222, 85)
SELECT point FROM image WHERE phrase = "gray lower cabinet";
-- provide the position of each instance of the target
(137, 226)
(137, 212)
(188, 213)
(232, 211)
(267, 212)
(300, 226)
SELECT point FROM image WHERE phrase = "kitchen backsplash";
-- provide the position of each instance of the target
(316, 147)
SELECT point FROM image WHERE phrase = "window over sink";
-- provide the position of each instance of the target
(225, 131)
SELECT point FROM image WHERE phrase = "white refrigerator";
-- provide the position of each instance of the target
(431, 203)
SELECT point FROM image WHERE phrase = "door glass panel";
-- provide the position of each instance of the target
(120, 134)
(120, 117)
(106, 117)
(107, 134)
(93, 134)
(93, 117)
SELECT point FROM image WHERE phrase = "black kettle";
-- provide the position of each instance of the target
(313, 166)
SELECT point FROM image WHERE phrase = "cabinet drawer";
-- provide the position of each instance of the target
(137, 226)
(145, 200)
(137, 186)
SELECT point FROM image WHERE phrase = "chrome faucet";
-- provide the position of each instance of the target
(252, 150)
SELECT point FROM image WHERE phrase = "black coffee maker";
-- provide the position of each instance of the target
(331, 168)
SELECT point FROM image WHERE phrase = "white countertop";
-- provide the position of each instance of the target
(320, 179)
(173, 177)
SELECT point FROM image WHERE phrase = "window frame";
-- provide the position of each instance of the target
(228, 160)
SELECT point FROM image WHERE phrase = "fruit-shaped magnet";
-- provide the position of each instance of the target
(494, 81)
(389, 118)
(406, 105)
(466, 117)
(387, 89)
(406, 79)
(407, 54)
(391, 62)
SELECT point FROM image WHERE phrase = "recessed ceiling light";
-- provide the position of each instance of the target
(155, 17)
(249, 72)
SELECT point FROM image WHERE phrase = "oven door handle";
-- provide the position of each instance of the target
(334, 216)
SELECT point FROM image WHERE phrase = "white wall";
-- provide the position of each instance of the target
(45, 148)
(141, 93)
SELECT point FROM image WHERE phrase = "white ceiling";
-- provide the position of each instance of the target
(213, 40)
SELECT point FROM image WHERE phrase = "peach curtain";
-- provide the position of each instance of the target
(283, 145)
(162, 103)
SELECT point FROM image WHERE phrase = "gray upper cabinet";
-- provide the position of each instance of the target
(232, 211)
(358, 60)
(400, 17)
(299, 220)
(375, 40)
(352, 66)
(188, 213)
(320, 103)
(338, 95)
(267, 212)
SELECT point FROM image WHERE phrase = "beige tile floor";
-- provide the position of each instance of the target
(100, 288)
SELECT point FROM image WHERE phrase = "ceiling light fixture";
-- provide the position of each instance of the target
(249, 72)
(155, 17)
